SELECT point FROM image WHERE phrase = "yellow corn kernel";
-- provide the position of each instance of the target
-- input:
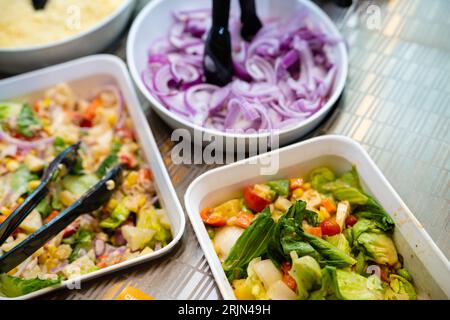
(306, 186)
(66, 198)
(33, 184)
(112, 119)
(112, 204)
(45, 122)
(48, 130)
(5, 211)
(47, 102)
(12, 165)
(323, 214)
(142, 200)
(20, 200)
(297, 193)
(131, 179)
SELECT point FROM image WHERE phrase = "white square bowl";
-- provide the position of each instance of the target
(428, 266)
(84, 75)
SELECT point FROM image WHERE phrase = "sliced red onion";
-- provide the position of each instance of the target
(265, 47)
(241, 72)
(99, 247)
(186, 15)
(158, 246)
(59, 267)
(289, 58)
(118, 235)
(260, 70)
(197, 97)
(161, 80)
(218, 98)
(183, 72)
(23, 144)
(284, 76)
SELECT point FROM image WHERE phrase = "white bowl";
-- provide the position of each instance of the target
(83, 75)
(92, 40)
(154, 21)
(427, 264)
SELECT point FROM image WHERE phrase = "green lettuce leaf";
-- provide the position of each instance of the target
(14, 287)
(281, 187)
(27, 122)
(251, 244)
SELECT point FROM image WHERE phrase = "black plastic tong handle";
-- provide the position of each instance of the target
(67, 158)
(217, 62)
(93, 199)
(39, 4)
(249, 18)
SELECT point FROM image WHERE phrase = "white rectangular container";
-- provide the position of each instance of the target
(428, 266)
(84, 75)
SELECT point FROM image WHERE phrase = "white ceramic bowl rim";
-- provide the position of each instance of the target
(81, 34)
(338, 87)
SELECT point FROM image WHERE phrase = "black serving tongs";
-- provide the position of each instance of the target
(217, 60)
(94, 198)
(39, 4)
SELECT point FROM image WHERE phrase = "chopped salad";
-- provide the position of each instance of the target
(131, 224)
(318, 237)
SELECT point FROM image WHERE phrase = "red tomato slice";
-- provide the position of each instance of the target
(290, 282)
(330, 228)
(244, 219)
(212, 220)
(351, 220)
(253, 201)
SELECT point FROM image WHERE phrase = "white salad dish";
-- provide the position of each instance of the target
(90, 41)
(428, 266)
(83, 75)
(155, 19)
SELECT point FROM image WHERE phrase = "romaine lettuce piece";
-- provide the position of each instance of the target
(78, 184)
(137, 238)
(306, 273)
(340, 242)
(321, 176)
(379, 247)
(14, 287)
(400, 289)
(353, 286)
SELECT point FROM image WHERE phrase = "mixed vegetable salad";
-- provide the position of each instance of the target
(320, 237)
(131, 224)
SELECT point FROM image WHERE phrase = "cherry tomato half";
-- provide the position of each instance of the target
(211, 219)
(254, 201)
(290, 282)
(330, 228)
(351, 220)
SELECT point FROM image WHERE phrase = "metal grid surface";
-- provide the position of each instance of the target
(396, 104)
